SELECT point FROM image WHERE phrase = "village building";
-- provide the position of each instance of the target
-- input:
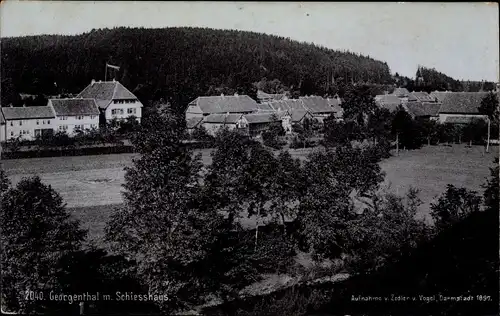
(318, 107)
(113, 99)
(193, 123)
(388, 101)
(424, 110)
(207, 105)
(214, 122)
(75, 114)
(461, 107)
(335, 104)
(401, 92)
(260, 122)
(28, 122)
(421, 96)
(438, 96)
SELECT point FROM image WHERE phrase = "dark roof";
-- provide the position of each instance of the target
(30, 112)
(460, 119)
(316, 104)
(261, 117)
(388, 101)
(226, 104)
(423, 108)
(462, 102)
(105, 91)
(222, 118)
(76, 106)
(421, 96)
(401, 92)
(193, 122)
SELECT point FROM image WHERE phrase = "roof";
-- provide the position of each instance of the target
(460, 119)
(2, 120)
(74, 106)
(225, 104)
(316, 104)
(421, 96)
(105, 91)
(257, 118)
(462, 102)
(285, 105)
(388, 101)
(401, 92)
(222, 118)
(423, 108)
(193, 122)
(298, 115)
(30, 112)
(335, 104)
(264, 107)
(274, 96)
(439, 95)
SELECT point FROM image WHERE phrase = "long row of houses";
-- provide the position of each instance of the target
(443, 106)
(244, 113)
(99, 103)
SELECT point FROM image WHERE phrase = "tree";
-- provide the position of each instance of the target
(407, 132)
(336, 133)
(379, 124)
(14, 143)
(454, 205)
(4, 181)
(489, 107)
(37, 232)
(491, 189)
(429, 129)
(271, 136)
(168, 223)
(475, 131)
(358, 104)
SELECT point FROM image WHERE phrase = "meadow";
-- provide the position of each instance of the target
(91, 185)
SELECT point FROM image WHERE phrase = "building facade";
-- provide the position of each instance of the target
(28, 122)
(113, 100)
(75, 114)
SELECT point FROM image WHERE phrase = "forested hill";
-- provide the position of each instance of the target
(178, 63)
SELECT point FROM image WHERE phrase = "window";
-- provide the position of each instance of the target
(92, 117)
(38, 132)
(131, 111)
(48, 122)
(38, 122)
(117, 111)
(11, 133)
(11, 123)
(79, 117)
(63, 127)
(21, 123)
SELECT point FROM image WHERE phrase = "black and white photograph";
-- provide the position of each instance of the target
(249, 158)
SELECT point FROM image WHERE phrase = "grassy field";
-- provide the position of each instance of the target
(91, 185)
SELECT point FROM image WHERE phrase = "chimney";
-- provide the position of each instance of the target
(92, 82)
(222, 94)
(236, 94)
(114, 80)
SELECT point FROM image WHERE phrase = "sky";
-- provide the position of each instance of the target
(458, 39)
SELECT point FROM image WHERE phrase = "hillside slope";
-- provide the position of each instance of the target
(179, 63)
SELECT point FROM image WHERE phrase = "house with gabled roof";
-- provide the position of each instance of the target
(232, 104)
(113, 99)
(421, 96)
(3, 132)
(423, 110)
(461, 107)
(28, 122)
(75, 114)
(268, 97)
(318, 107)
(401, 92)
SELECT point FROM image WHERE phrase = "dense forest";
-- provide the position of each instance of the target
(429, 79)
(178, 64)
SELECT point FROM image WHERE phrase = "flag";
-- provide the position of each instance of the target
(112, 66)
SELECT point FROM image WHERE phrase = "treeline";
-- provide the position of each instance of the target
(429, 79)
(177, 64)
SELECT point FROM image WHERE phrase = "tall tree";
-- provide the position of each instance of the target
(489, 106)
(37, 232)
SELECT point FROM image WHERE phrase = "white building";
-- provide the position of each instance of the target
(113, 100)
(28, 122)
(2, 128)
(75, 114)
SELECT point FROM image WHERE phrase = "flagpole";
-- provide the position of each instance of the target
(106, 73)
